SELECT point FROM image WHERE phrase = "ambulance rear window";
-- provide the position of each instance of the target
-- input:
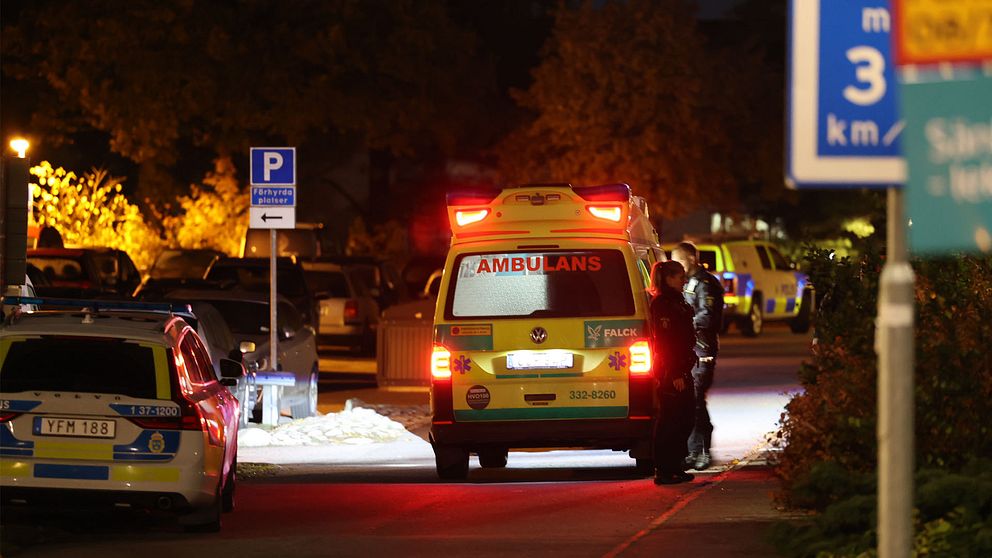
(560, 284)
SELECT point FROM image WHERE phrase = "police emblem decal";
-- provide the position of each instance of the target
(156, 444)
(538, 335)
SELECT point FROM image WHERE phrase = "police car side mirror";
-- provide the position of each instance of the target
(230, 372)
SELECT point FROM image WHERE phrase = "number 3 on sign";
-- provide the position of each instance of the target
(871, 71)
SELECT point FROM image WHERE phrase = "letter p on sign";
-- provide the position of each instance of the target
(273, 166)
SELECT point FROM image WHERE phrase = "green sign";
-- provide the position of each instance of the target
(948, 147)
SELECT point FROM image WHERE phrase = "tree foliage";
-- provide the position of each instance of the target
(625, 93)
(161, 77)
(828, 461)
(214, 214)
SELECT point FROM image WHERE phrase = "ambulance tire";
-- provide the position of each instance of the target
(493, 458)
(645, 466)
(230, 484)
(801, 323)
(753, 323)
(451, 462)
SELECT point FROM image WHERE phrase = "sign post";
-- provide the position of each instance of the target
(844, 132)
(273, 206)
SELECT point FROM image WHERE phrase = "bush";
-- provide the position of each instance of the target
(828, 459)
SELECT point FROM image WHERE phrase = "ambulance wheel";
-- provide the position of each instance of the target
(801, 323)
(644, 465)
(227, 494)
(493, 458)
(753, 323)
(451, 461)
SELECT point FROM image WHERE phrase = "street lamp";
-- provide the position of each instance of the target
(20, 145)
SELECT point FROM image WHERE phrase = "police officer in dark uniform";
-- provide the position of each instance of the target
(704, 293)
(674, 339)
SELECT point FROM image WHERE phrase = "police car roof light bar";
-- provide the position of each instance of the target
(101, 305)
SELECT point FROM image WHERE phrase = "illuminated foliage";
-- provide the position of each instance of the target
(90, 210)
(214, 215)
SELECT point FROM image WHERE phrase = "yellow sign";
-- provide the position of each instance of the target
(933, 31)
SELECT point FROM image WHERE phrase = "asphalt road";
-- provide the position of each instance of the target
(563, 503)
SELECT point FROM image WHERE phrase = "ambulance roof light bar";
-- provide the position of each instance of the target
(606, 192)
(477, 196)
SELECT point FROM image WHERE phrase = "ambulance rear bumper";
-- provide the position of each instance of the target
(618, 434)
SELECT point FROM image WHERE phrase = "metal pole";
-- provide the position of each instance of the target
(895, 347)
(273, 331)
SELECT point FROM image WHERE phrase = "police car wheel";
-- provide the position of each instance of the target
(227, 494)
(493, 458)
(753, 323)
(451, 462)
(801, 323)
(206, 520)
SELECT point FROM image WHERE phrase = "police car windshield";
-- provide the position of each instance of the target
(81, 364)
(560, 284)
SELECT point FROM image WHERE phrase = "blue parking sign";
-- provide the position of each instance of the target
(843, 122)
(273, 166)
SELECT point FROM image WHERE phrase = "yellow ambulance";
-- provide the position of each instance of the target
(541, 329)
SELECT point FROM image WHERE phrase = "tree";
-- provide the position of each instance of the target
(169, 80)
(214, 215)
(622, 94)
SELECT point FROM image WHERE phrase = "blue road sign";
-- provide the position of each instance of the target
(273, 196)
(273, 166)
(843, 122)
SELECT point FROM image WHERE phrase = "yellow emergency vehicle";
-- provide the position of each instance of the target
(541, 335)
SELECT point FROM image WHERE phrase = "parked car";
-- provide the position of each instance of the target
(117, 407)
(760, 285)
(177, 268)
(85, 272)
(303, 242)
(219, 341)
(349, 315)
(252, 274)
(380, 277)
(247, 316)
(182, 263)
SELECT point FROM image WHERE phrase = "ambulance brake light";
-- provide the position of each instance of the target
(607, 212)
(440, 363)
(640, 358)
(468, 216)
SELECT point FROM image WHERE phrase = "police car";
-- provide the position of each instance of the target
(541, 325)
(115, 404)
(759, 285)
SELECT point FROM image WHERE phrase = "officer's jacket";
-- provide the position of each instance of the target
(674, 337)
(704, 293)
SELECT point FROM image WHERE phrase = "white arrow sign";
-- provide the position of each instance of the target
(272, 217)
